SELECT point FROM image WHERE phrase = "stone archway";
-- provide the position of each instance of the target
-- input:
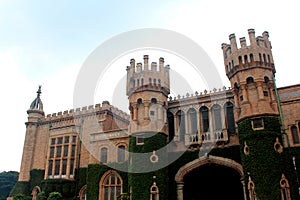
(82, 193)
(35, 191)
(189, 167)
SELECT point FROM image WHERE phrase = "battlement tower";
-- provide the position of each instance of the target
(250, 70)
(148, 90)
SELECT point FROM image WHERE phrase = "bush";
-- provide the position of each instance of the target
(54, 196)
(124, 196)
(41, 196)
(21, 197)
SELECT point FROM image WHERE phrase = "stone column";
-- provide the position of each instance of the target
(260, 90)
(180, 191)
(135, 112)
(146, 111)
(244, 92)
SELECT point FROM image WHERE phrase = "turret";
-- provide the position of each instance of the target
(147, 90)
(250, 69)
(35, 115)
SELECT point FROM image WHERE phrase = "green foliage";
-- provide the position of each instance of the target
(41, 196)
(21, 197)
(36, 178)
(65, 187)
(141, 182)
(54, 196)
(94, 174)
(7, 182)
(20, 188)
(264, 164)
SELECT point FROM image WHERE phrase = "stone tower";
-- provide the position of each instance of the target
(250, 69)
(147, 91)
(35, 114)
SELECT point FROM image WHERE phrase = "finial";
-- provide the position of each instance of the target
(39, 91)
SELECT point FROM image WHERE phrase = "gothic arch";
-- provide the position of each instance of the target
(82, 193)
(35, 191)
(179, 177)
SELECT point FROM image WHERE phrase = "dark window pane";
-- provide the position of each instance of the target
(72, 167)
(66, 149)
(51, 152)
(66, 139)
(64, 167)
(74, 139)
(57, 165)
(103, 155)
(50, 167)
(295, 134)
(73, 151)
(205, 119)
(58, 151)
(121, 153)
(59, 140)
(53, 141)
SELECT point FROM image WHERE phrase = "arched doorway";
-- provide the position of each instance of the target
(210, 178)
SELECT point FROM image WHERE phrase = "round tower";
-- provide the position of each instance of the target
(35, 114)
(147, 91)
(148, 88)
(250, 70)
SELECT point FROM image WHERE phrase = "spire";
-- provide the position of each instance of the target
(37, 103)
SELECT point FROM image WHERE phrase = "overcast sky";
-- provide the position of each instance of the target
(46, 42)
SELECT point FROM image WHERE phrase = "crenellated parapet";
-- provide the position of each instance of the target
(150, 77)
(70, 117)
(257, 53)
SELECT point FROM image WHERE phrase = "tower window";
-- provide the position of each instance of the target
(154, 194)
(153, 100)
(246, 59)
(266, 94)
(193, 121)
(140, 139)
(249, 80)
(257, 124)
(266, 79)
(241, 98)
(251, 57)
(152, 113)
(295, 135)
(139, 101)
(240, 60)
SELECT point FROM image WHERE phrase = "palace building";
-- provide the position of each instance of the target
(240, 142)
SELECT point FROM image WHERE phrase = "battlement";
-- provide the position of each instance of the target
(197, 94)
(142, 76)
(257, 53)
(88, 110)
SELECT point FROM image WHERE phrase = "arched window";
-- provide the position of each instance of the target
(82, 193)
(251, 57)
(139, 101)
(110, 186)
(181, 124)
(250, 80)
(251, 189)
(205, 118)
(142, 82)
(240, 60)
(154, 192)
(232, 65)
(121, 153)
(138, 82)
(269, 59)
(260, 58)
(266, 79)
(246, 59)
(103, 155)
(153, 100)
(217, 117)
(230, 118)
(193, 120)
(265, 59)
(170, 117)
(284, 188)
(295, 134)
(150, 81)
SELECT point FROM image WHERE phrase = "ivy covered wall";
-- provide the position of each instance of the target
(263, 162)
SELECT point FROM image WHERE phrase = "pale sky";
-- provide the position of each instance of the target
(46, 42)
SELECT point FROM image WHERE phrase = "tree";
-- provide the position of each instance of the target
(7, 182)
(54, 196)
